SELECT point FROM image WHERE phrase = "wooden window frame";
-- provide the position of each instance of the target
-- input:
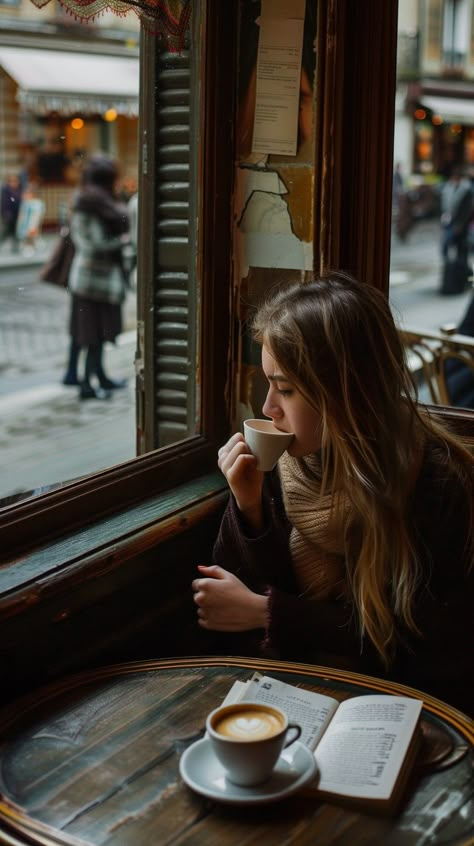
(358, 39)
(356, 81)
(36, 521)
(356, 70)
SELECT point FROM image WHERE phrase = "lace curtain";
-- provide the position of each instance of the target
(168, 19)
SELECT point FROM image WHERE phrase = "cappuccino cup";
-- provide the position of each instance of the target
(266, 442)
(247, 739)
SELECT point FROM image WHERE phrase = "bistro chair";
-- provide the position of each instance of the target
(443, 361)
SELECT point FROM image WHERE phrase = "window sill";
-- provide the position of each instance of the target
(102, 547)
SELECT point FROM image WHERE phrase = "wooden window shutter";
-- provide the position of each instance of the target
(167, 296)
(175, 281)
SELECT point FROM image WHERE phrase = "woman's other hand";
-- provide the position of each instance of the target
(239, 467)
(225, 604)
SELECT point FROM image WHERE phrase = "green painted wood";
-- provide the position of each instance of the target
(65, 551)
(94, 760)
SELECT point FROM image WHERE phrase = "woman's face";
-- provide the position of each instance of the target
(289, 410)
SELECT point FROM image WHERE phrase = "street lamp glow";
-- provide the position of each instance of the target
(110, 115)
(77, 123)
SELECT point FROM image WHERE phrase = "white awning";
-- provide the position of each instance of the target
(452, 109)
(66, 82)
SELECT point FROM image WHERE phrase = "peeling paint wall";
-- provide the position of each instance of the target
(273, 205)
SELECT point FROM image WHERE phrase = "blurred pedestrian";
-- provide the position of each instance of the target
(456, 211)
(133, 216)
(98, 279)
(132, 250)
(459, 376)
(10, 207)
(126, 188)
(30, 219)
(397, 188)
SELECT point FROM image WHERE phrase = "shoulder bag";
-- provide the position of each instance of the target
(56, 270)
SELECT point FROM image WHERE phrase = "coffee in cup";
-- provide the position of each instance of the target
(248, 724)
(247, 739)
(266, 442)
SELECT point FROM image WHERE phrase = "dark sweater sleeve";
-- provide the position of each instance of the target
(258, 560)
(297, 627)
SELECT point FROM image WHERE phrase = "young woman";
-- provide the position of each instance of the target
(357, 550)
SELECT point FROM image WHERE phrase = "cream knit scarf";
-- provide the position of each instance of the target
(316, 546)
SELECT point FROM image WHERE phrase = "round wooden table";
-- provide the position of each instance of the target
(94, 759)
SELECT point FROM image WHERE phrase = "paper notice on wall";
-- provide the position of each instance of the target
(277, 98)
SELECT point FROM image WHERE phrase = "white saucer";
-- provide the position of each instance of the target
(201, 771)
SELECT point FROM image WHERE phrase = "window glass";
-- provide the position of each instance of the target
(432, 245)
(53, 430)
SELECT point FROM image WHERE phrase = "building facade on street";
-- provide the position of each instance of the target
(67, 89)
(434, 127)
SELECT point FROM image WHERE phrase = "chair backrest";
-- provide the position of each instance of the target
(434, 357)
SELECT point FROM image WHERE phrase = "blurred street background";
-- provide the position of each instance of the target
(47, 435)
(415, 280)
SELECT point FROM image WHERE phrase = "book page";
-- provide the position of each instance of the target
(312, 711)
(363, 749)
(236, 693)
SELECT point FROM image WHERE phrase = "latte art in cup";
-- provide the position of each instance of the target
(247, 738)
(250, 725)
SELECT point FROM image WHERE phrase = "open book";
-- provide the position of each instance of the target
(364, 747)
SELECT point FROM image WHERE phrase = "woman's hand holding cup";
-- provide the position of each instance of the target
(239, 467)
(243, 462)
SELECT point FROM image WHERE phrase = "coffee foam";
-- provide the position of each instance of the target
(249, 724)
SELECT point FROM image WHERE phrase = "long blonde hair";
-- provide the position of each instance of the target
(336, 341)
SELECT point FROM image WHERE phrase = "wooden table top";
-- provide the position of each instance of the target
(94, 759)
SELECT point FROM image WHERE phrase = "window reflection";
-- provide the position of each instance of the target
(432, 248)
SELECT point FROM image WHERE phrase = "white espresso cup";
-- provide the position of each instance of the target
(266, 442)
(247, 739)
